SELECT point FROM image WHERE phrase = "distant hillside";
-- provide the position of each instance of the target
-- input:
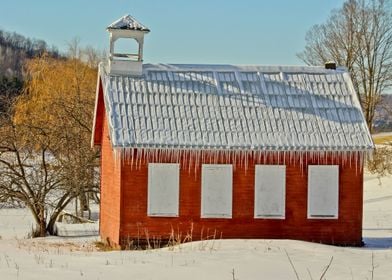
(14, 50)
(383, 118)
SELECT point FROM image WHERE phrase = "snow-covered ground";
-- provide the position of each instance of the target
(377, 223)
(77, 258)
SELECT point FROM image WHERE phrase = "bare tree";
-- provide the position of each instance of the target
(359, 37)
(89, 55)
(35, 171)
(30, 174)
(60, 96)
(45, 156)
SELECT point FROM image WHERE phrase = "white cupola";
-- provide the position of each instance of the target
(126, 63)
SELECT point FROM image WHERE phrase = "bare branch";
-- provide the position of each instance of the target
(359, 37)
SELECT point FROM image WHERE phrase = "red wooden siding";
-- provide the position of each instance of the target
(135, 223)
(99, 115)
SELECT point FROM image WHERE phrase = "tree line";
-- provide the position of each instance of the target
(15, 50)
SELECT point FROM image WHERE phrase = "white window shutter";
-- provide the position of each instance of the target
(163, 189)
(270, 191)
(323, 191)
(216, 191)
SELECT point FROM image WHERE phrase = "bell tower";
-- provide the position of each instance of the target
(126, 63)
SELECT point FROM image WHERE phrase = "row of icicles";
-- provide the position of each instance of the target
(192, 159)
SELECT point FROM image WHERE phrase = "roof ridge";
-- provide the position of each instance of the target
(128, 22)
(241, 67)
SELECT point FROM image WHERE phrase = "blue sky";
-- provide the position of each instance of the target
(195, 31)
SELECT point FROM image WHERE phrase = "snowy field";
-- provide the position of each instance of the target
(77, 258)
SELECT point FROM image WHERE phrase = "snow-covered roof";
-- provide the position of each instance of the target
(225, 107)
(128, 22)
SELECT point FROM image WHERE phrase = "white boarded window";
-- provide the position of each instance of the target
(270, 191)
(216, 190)
(323, 191)
(163, 189)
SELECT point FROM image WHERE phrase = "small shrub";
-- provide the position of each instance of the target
(381, 163)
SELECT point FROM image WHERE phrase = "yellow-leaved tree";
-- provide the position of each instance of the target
(51, 158)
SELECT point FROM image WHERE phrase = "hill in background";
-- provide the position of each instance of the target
(383, 118)
(15, 49)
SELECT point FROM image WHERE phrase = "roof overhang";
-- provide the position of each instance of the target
(99, 110)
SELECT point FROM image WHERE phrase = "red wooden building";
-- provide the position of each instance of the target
(229, 151)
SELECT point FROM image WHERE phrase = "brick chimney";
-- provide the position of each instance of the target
(330, 65)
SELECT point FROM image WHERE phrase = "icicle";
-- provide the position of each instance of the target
(189, 159)
(145, 156)
(143, 153)
(116, 157)
(140, 151)
(192, 156)
(244, 155)
(246, 161)
(155, 155)
(306, 156)
(186, 159)
(196, 159)
(318, 158)
(299, 157)
(341, 157)
(131, 154)
(135, 157)
(345, 156)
